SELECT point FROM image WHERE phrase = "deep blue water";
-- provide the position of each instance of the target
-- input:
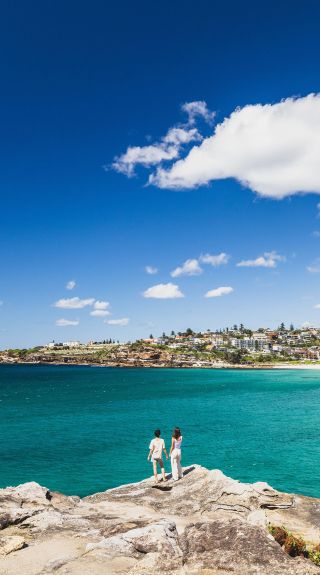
(80, 429)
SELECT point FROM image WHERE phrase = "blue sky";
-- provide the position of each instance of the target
(82, 82)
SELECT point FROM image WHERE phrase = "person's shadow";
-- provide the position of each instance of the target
(164, 487)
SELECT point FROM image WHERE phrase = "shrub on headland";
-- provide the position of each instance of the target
(294, 546)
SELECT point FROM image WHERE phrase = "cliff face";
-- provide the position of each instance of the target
(123, 356)
(204, 524)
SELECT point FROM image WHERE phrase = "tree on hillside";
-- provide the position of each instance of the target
(189, 331)
(241, 327)
(282, 327)
(172, 333)
(291, 327)
(150, 336)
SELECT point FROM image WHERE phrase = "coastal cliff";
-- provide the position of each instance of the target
(126, 356)
(205, 524)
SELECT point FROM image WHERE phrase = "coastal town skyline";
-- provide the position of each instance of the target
(133, 199)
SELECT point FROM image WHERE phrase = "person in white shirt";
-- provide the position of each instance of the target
(156, 447)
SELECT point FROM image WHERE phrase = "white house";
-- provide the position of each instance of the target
(71, 344)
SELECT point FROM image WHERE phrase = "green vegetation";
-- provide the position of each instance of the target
(293, 545)
(314, 555)
(23, 353)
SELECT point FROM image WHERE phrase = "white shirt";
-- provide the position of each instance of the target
(157, 444)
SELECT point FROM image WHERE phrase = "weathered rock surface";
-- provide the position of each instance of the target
(10, 543)
(205, 524)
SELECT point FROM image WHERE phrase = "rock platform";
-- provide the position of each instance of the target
(204, 524)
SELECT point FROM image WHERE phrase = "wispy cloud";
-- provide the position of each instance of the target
(188, 268)
(198, 109)
(100, 312)
(101, 304)
(121, 321)
(151, 270)
(169, 146)
(314, 268)
(73, 303)
(163, 291)
(317, 306)
(191, 267)
(220, 291)
(1, 302)
(71, 284)
(267, 260)
(66, 322)
(214, 260)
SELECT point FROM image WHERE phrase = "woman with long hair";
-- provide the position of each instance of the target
(175, 453)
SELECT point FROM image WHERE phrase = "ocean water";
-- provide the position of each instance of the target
(85, 429)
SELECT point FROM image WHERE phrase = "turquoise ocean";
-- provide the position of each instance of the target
(85, 429)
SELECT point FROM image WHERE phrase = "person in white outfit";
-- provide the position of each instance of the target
(156, 447)
(175, 453)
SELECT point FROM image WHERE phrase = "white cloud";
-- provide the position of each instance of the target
(167, 149)
(1, 303)
(73, 303)
(122, 321)
(273, 149)
(151, 270)
(189, 268)
(71, 284)
(145, 156)
(169, 146)
(66, 322)
(317, 306)
(267, 260)
(100, 313)
(100, 304)
(179, 136)
(218, 292)
(217, 260)
(163, 291)
(198, 109)
(315, 269)
(100, 309)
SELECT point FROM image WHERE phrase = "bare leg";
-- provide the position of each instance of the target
(162, 470)
(155, 471)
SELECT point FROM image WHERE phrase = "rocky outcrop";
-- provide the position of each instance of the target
(121, 356)
(205, 524)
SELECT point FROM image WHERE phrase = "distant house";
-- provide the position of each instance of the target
(71, 344)
(53, 345)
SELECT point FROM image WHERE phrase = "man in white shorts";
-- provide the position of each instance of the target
(156, 447)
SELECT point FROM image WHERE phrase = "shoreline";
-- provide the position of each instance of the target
(278, 366)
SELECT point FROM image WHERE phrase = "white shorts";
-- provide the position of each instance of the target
(156, 459)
